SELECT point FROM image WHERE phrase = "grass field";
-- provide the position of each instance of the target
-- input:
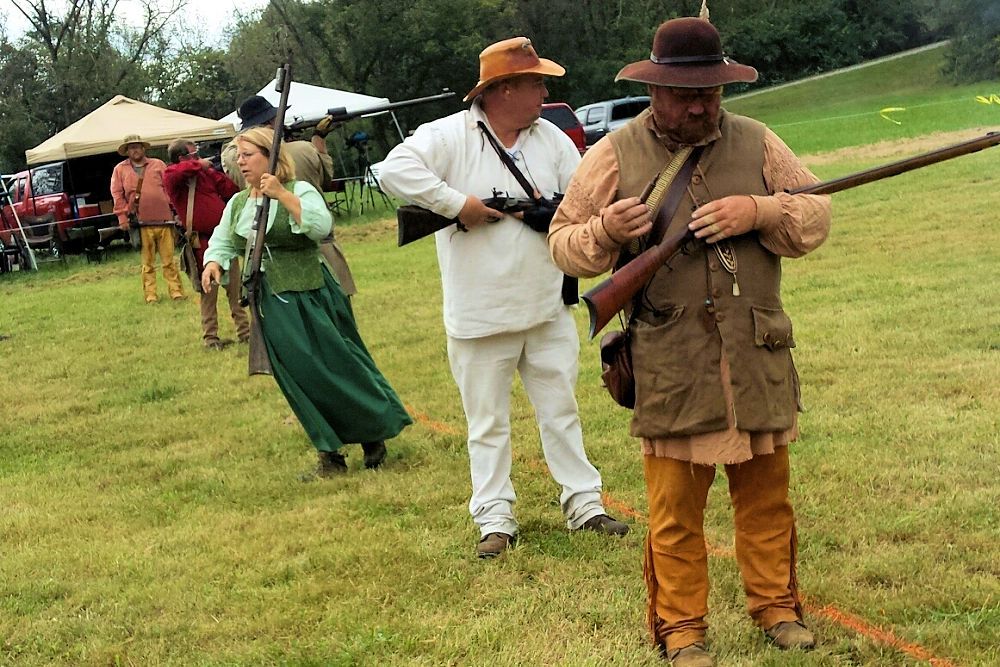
(845, 110)
(152, 514)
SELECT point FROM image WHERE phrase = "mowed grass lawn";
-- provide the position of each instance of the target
(151, 513)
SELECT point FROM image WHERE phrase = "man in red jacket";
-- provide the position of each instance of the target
(198, 190)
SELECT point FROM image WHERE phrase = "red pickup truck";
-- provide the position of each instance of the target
(55, 216)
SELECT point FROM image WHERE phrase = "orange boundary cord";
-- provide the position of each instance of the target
(424, 420)
(887, 637)
(830, 612)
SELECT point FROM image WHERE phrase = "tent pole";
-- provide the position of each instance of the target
(24, 237)
(396, 123)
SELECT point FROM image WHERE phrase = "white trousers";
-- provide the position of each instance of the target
(546, 357)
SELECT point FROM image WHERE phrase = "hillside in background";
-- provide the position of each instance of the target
(844, 109)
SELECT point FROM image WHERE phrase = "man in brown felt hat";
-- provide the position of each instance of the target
(504, 311)
(715, 383)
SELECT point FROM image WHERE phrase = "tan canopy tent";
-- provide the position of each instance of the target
(102, 130)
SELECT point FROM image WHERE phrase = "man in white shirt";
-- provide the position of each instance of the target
(503, 302)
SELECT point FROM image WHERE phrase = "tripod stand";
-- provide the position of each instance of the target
(369, 183)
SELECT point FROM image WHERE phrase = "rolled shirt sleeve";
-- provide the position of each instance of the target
(316, 223)
(221, 248)
(578, 241)
(414, 170)
(789, 225)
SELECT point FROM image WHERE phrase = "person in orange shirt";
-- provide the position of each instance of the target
(137, 190)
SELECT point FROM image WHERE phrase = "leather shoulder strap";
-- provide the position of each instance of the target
(192, 184)
(507, 161)
(672, 181)
(663, 198)
(138, 194)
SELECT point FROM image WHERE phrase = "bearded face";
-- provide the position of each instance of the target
(686, 115)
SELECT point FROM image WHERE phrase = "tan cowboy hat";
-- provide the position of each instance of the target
(687, 53)
(132, 139)
(509, 58)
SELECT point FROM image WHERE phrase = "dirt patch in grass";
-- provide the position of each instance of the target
(884, 150)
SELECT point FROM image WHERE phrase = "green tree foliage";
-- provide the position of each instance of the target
(974, 27)
(70, 63)
(19, 128)
(198, 81)
(595, 39)
(787, 39)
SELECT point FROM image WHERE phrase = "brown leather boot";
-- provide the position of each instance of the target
(330, 465)
(608, 525)
(374, 453)
(693, 655)
(791, 634)
(494, 544)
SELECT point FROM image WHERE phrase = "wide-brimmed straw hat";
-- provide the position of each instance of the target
(509, 58)
(132, 139)
(687, 53)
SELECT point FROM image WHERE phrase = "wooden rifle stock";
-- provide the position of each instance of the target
(615, 293)
(259, 363)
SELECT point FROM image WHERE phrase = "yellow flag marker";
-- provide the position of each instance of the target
(886, 111)
(992, 99)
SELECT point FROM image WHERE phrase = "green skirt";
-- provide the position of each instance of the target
(324, 370)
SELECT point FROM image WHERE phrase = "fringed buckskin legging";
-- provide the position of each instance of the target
(676, 563)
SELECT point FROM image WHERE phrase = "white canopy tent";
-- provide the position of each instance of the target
(309, 102)
(102, 130)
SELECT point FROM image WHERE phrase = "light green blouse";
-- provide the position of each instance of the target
(316, 223)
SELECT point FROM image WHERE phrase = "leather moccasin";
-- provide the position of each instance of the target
(494, 544)
(791, 634)
(602, 523)
(374, 453)
(693, 655)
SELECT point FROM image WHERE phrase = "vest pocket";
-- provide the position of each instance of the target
(772, 328)
(658, 317)
(676, 365)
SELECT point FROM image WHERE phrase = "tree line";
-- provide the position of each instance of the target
(70, 63)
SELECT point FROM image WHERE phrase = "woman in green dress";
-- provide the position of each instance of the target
(318, 358)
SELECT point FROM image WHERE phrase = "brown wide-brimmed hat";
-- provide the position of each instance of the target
(132, 139)
(509, 58)
(687, 53)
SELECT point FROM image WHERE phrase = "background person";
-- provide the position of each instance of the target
(503, 306)
(313, 165)
(319, 360)
(715, 383)
(212, 189)
(155, 219)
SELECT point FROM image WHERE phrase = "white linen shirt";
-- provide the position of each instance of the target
(316, 222)
(498, 277)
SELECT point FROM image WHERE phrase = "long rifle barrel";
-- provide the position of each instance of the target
(259, 362)
(849, 181)
(282, 79)
(341, 114)
(615, 293)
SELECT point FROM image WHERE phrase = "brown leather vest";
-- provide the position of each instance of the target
(688, 312)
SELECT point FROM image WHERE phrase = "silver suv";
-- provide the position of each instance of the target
(600, 118)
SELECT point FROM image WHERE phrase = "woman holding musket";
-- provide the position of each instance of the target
(318, 358)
